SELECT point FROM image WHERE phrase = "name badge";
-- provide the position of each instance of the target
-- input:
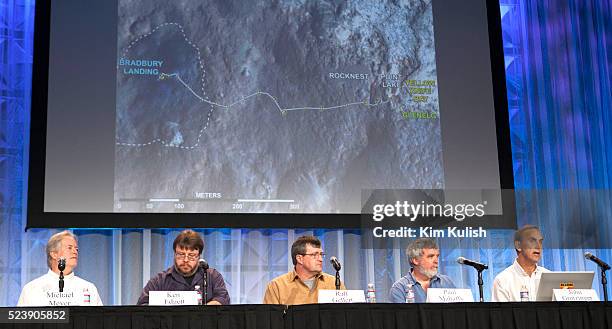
(341, 296)
(171, 298)
(575, 295)
(66, 298)
(449, 295)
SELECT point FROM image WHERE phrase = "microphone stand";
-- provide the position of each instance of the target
(204, 266)
(61, 266)
(604, 283)
(61, 281)
(479, 267)
(336, 264)
(603, 267)
(480, 284)
(205, 286)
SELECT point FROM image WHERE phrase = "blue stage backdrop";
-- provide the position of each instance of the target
(558, 82)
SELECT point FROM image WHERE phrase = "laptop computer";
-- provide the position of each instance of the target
(561, 280)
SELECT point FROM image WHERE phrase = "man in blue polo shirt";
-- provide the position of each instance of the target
(423, 256)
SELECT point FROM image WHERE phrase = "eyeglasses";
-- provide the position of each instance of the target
(190, 257)
(316, 255)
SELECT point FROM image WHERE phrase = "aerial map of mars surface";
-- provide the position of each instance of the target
(273, 106)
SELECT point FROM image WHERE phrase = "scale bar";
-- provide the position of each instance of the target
(266, 200)
(164, 200)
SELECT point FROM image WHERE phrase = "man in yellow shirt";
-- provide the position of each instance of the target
(301, 286)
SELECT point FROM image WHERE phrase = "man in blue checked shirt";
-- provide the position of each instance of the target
(423, 255)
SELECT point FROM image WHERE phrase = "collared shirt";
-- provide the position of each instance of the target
(289, 289)
(171, 280)
(397, 294)
(507, 284)
(77, 291)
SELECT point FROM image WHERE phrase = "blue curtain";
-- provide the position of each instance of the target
(558, 60)
(558, 82)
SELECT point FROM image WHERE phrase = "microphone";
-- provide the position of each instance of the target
(203, 264)
(588, 255)
(61, 266)
(474, 264)
(479, 267)
(335, 263)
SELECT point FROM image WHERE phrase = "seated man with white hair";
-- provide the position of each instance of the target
(44, 291)
(423, 256)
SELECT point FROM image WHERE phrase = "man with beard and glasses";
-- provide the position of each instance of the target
(524, 274)
(423, 256)
(185, 274)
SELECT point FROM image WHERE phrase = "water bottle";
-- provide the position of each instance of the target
(524, 294)
(371, 294)
(197, 290)
(86, 297)
(410, 293)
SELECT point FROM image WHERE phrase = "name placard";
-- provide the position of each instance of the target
(449, 295)
(170, 298)
(341, 296)
(67, 298)
(575, 295)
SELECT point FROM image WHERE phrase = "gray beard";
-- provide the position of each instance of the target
(429, 274)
